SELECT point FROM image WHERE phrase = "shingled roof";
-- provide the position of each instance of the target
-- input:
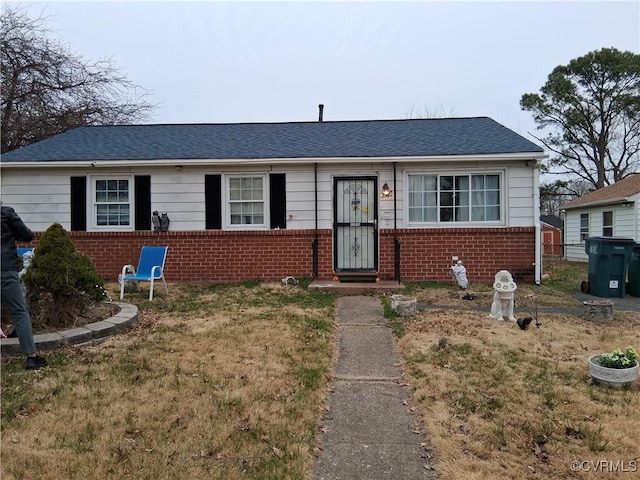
(344, 139)
(617, 192)
(552, 220)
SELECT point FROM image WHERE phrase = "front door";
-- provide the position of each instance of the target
(355, 227)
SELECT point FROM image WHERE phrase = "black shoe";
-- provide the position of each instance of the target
(35, 363)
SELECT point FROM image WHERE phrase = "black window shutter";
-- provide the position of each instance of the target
(142, 202)
(78, 204)
(277, 200)
(213, 202)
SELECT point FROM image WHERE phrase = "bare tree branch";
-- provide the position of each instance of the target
(47, 90)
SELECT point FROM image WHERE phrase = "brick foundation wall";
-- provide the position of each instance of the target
(426, 253)
(219, 256)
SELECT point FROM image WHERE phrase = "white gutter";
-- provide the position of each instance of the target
(536, 156)
(598, 203)
(536, 223)
(637, 232)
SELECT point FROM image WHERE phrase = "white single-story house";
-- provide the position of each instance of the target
(341, 200)
(612, 211)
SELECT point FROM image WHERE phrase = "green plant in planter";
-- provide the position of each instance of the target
(619, 358)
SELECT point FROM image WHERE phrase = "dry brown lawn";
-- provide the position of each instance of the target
(498, 402)
(216, 383)
(229, 382)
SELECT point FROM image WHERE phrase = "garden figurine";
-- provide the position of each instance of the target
(503, 298)
(460, 273)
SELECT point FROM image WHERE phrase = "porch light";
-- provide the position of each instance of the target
(386, 191)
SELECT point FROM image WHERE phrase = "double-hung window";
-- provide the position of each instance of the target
(112, 202)
(607, 224)
(454, 198)
(584, 226)
(247, 200)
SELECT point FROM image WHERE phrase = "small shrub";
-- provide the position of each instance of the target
(60, 281)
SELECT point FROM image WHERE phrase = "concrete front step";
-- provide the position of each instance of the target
(356, 288)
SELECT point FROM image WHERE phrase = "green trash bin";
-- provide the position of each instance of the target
(608, 258)
(634, 272)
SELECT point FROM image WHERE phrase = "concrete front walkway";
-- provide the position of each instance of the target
(369, 432)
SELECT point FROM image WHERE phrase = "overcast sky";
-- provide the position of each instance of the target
(227, 62)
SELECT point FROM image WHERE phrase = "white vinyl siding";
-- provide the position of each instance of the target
(522, 206)
(625, 224)
(44, 198)
(181, 196)
(39, 198)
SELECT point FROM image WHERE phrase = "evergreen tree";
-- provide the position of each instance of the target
(591, 111)
(61, 282)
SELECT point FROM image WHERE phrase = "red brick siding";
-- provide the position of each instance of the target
(271, 255)
(425, 254)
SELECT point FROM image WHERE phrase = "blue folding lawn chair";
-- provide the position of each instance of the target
(150, 268)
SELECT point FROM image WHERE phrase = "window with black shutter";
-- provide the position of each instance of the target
(213, 202)
(277, 200)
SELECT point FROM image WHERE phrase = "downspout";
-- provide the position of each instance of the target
(314, 244)
(396, 242)
(536, 223)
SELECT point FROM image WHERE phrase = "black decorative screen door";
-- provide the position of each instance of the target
(355, 226)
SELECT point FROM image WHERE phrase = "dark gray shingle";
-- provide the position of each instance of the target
(376, 138)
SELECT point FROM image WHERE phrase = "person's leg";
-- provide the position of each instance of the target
(13, 301)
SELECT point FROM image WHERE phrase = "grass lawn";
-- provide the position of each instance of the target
(230, 382)
(498, 402)
(216, 382)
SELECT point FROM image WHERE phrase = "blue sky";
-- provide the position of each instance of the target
(224, 62)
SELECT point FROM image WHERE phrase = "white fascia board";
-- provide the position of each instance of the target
(535, 156)
(601, 203)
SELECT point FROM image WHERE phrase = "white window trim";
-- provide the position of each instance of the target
(226, 221)
(503, 198)
(91, 210)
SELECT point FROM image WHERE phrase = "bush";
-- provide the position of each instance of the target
(61, 282)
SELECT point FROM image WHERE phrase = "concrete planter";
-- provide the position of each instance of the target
(598, 310)
(613, 377)
(403, 306)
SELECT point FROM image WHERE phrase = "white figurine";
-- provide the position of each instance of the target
(26, 261)
(503, 298)
(460, 273)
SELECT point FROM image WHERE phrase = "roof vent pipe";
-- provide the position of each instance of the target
(320, 108)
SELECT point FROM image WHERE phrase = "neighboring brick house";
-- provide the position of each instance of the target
(612, 211)
(386, 199)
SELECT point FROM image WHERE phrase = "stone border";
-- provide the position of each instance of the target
(87, 335)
